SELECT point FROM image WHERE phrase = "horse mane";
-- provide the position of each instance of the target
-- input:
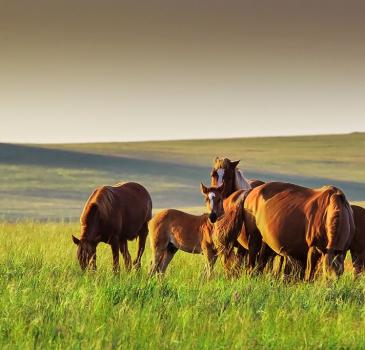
(240, 182)
(221, 163)
(227, 230)
(104, 201)
(101, 201)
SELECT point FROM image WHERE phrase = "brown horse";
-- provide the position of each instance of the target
(357, 247)
(171, 230)
(114, 215)
(295, 222)
(226, 171)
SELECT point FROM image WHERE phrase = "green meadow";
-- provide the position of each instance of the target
(46, 302)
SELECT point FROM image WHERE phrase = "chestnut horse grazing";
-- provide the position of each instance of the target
(171, 230)
(357, 247)
(114, 215)
(295, 222)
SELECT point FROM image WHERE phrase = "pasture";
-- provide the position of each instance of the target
(47, 302)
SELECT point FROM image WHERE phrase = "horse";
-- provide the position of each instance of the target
(357, 246)
(225, 171)
(293, 221)
(114, 215)
(172, 230)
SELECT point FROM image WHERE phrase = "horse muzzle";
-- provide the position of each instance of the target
(213, 217)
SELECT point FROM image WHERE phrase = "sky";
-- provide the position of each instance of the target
(81, 71)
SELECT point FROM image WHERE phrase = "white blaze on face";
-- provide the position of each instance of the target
(211, 196)
(220, 173)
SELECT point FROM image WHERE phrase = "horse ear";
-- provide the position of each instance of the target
(234, 163)
(75, 240)
(203, 189)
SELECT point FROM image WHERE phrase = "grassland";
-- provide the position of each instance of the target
(47, 303)
(53, 181)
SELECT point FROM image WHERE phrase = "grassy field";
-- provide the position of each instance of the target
(47, 303)
(54, 181)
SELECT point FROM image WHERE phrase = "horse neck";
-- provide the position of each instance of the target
(230, 189)
(207, 228)
(89, 222)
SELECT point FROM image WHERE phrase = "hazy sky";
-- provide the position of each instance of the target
(116, 70)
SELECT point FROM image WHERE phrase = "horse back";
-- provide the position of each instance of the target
(133, 204)
(178, 218)
(121, 210)
(233, 199)
(291, 218)
(132, 194)
(255, 183)
(185, 231)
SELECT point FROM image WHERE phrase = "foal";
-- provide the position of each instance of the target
(172, 229)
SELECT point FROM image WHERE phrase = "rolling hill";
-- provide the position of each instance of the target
(53, 181)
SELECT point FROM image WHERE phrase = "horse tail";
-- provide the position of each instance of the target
(159, 239)
(339, 208)
(149, 208)
(151, 230)
(339, 228)
(226, 232)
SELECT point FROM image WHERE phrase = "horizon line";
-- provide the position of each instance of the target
(183, 139)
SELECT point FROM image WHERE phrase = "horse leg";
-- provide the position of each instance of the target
(141, 246)
(313, 257)
(279, 269)
(358, 263)
(294, 267)
(115, 250)
(126, 256)
(264, 255)
(169, 254)
(211, 258)
(241, 254)
(156, 263)
(254, 245)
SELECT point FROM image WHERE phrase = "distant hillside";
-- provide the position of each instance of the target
(53, 181)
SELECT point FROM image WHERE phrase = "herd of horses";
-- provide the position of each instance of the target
(249, 224)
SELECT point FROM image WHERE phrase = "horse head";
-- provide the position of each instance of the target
(86, 253)
(224, 171)
(214, 200)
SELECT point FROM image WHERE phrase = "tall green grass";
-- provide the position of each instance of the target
(46, 302)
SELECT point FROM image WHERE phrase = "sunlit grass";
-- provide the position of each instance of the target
(46, 302)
